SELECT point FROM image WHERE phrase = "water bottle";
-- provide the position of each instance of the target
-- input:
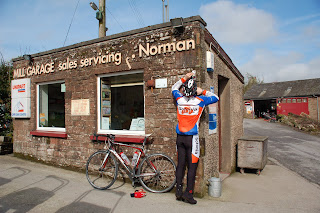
(134, 158)
(125, 158)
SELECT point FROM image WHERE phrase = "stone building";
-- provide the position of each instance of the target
(301, 96)
(106, 86)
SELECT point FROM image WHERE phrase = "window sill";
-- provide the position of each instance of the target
(122, 138)
(52, 134)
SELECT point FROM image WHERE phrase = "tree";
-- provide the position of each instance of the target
(5, 97)
(251, 80)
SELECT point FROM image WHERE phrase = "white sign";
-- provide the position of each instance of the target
(20, 88)
(80, 107)
(20, 98)
(20, 108)
(210, 61)
(137, 124)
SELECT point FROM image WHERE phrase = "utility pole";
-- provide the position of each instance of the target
(102, 23)
(101, 16)
(165, 11)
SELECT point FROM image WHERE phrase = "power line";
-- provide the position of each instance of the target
(71, 23)
(136, 12)
(115, 18)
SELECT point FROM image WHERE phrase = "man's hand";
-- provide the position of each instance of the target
(188, 76)
(199, 91)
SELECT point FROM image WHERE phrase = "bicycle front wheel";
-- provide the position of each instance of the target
(157, 173)
(101, 169)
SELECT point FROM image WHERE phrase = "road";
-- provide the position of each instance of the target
(297, 151)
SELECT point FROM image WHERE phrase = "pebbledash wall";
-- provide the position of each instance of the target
(158, 53)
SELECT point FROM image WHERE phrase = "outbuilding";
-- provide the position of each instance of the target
(301, 96)
(121, 84)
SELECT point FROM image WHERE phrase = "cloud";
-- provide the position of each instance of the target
(238, 23)
(272, 67)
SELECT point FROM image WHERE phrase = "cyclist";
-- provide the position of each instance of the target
(189, 110)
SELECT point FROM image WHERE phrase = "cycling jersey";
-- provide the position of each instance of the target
(189, 109)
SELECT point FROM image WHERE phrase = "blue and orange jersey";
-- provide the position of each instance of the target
(189, 109)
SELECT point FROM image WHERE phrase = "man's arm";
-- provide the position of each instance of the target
(209, 98)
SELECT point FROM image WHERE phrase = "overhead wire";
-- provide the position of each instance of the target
(71, 23)
(115, 18)
(136, 12)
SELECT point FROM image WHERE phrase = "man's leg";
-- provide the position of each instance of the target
(191, 176)
(180, 171)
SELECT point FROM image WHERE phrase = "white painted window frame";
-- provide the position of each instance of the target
(116, 132)
(55, 129)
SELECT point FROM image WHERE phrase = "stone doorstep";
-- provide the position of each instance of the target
(223, 176)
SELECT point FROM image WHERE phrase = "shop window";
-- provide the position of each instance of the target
(121, 103)
(51, 106)
(294, 100)
(289, 100)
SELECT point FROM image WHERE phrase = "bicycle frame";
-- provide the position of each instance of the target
(131, 172)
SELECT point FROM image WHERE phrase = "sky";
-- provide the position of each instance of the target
(273, 40)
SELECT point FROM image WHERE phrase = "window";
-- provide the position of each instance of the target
(304, 100)
(294, 100)
(121, 103)
(289, 100)
(284, 101)
(51, 106)
(299, 100)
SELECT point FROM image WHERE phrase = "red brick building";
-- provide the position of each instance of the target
(100, 86)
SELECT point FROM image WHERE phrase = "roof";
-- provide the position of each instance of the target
(300, 88)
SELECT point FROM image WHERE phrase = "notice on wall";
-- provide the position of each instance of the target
(20, 98)
(80, 107)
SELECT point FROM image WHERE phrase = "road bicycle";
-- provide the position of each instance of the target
(155, 172)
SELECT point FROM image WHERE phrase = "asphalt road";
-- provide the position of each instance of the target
(297, 151)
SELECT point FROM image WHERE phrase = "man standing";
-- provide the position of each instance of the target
(189, 110)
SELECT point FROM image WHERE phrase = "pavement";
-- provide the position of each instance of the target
(32, 187)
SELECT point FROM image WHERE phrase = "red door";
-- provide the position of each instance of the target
(293, 105)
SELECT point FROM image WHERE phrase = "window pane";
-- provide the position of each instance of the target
(122, 103)
(51, 106)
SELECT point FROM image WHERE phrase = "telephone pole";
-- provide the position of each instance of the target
(101, 16)
(165, 11)
(102, 23)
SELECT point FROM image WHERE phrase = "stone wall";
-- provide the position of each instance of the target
(313, 111)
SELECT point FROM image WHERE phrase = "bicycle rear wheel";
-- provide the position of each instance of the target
(157, 173)
(101, 173)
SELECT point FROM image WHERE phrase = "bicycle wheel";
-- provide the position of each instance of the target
(157, 173)
(101, 174)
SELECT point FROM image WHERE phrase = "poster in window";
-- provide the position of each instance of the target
(137, 124)
(106, 111)
(106, 103)
(105, 123)
(105, 94)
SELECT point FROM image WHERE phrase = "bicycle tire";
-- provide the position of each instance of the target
(161, 180)
(101, 178)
